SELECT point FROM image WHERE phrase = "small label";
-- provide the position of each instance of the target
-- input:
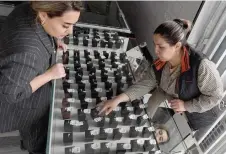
(122, 130)
(80, 123)
(89, 100)
(132, 116)
(69, 108)
(111, 81)
(71, 100)
(94, 132)
(127, 146)
(140, 141)
(73, 122)
(108, 130)
(71, 90)
(152, 141)
(158, 152)
(119, 119)
(107, 119)
(130, 108)
(103, 98)
(70, 81)
(99, 89)
(87, 111)
(145, 116)
(123, 78)
(139, 129)
(109, 145)
(85, 81)
(107, 69)
(95, 146)
(117, 108)
(117, 63)
(76, 150)
(151, 129)
(142, 106)
(103, 57)
(98, 119)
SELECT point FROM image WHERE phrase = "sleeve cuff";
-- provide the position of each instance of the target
(188, 106)
(131, 95)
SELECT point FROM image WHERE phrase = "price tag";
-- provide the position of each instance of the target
(130, 108)
(70, 81)
(151, 129)
(122, 130)
(99, 89)
(111, 81)
(145, 116)
(85, 81)
(80, 123)
(140, 141)
(158, 152)
(132, 116)
(76, 150)
(124, 78)
(139, 129)
(127, 146)
(89, 100)
(152, 141)
(69, 108)
(109, 145)
(98, 119)
(107, 69)
(95, 146)
(74, 122)
(119, 119)
(117, 108)
(102, 57)
(103, 98)
(71, 100)
(142, 106)
(117, 57)
(107, 119)
(108, 130)
(71, 90)
(87, 111)
(94, 132)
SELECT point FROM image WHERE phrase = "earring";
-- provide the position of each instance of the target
(42, 22)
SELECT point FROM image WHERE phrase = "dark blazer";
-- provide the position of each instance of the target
(26, 51)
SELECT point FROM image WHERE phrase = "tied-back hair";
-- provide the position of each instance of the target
(174, 31)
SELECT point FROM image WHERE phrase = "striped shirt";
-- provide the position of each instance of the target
(26, 51)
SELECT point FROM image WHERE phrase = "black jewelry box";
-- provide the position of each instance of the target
(68, 138)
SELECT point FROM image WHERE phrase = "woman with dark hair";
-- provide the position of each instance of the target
(189, 81)
(27, 66)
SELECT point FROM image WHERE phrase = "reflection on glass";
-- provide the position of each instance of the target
(104, 13)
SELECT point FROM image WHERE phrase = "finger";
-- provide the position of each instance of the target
(173, 101)
(103, 110)
(108, 111)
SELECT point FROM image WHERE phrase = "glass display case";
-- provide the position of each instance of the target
(97, 69)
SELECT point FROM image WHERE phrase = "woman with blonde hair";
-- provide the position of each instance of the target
(27, 66)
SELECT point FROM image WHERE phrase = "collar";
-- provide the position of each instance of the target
(185, 65)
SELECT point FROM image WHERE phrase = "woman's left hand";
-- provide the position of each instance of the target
(60, 44)
(177, 105)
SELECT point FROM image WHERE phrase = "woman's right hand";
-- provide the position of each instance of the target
(107, 106)
(57, 71)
